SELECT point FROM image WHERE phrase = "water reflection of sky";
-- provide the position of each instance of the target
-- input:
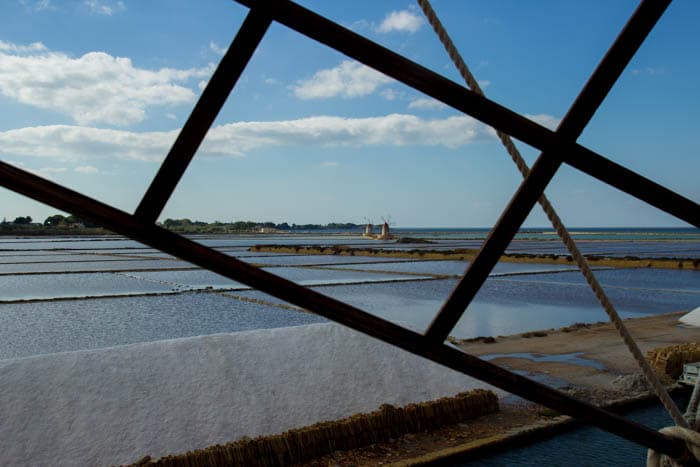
(570, 358)
(202, 278)
(671, 280)
(73, 285)
(49, 327)
(458, 267)
(502, 306)
(507, 304)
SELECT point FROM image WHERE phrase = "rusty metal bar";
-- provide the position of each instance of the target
(150, 234)
(571, 126)
(460, 98)
(205, 111)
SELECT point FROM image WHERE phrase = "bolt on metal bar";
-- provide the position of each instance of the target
(205, 111)
(150, 234)
(571, 126)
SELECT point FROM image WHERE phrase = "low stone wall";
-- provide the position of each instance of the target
(668, 361)
(301, 445)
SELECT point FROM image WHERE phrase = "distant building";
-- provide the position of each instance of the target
(385, 235)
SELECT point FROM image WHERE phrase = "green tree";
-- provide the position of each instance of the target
(23, 220)
(55, 220)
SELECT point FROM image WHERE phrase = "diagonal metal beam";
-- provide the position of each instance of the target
(572, 125)
(558, 225)
(141, 228)
(150, 234)
(458, 97)
(205, 111)
(630, 182)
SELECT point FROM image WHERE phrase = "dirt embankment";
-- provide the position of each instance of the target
(469, 254)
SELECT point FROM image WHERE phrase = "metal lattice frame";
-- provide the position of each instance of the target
(558, 147)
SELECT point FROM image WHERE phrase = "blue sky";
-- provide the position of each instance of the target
(93, 93)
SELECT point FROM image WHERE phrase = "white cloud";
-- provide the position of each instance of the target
(388, 130)
(47, 172)
(329, 164)
(104, 7)
(426, 103)
(403, 20)
(216, 49)
(358, 25)
(86, 169)
(651, 71)
(38, 5)
(349, 79)
(93, 88)
(21, 49)
(75, 143)
(44, 172)
(389, 94)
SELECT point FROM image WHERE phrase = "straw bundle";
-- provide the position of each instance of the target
(303, 444)
(669, 361)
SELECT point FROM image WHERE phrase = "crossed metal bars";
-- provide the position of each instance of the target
(557, 147)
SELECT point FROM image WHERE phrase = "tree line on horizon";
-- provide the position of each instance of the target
(58, 222)
(52, 225)
(187, 225)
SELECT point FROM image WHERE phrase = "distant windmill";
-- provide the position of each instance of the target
(386, 235)
(368, 227)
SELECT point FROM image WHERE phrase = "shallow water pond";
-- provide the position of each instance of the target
(48, 327)
(570, 358)
(93, 266)
(502, 306)
(459, 267)
(73, 285)
(669, 280)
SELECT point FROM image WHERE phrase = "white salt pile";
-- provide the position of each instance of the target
(692, 318)
(113, 406)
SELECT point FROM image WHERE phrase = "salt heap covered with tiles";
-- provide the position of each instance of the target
(115, 405)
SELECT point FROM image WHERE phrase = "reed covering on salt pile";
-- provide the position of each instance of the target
(303, 444)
